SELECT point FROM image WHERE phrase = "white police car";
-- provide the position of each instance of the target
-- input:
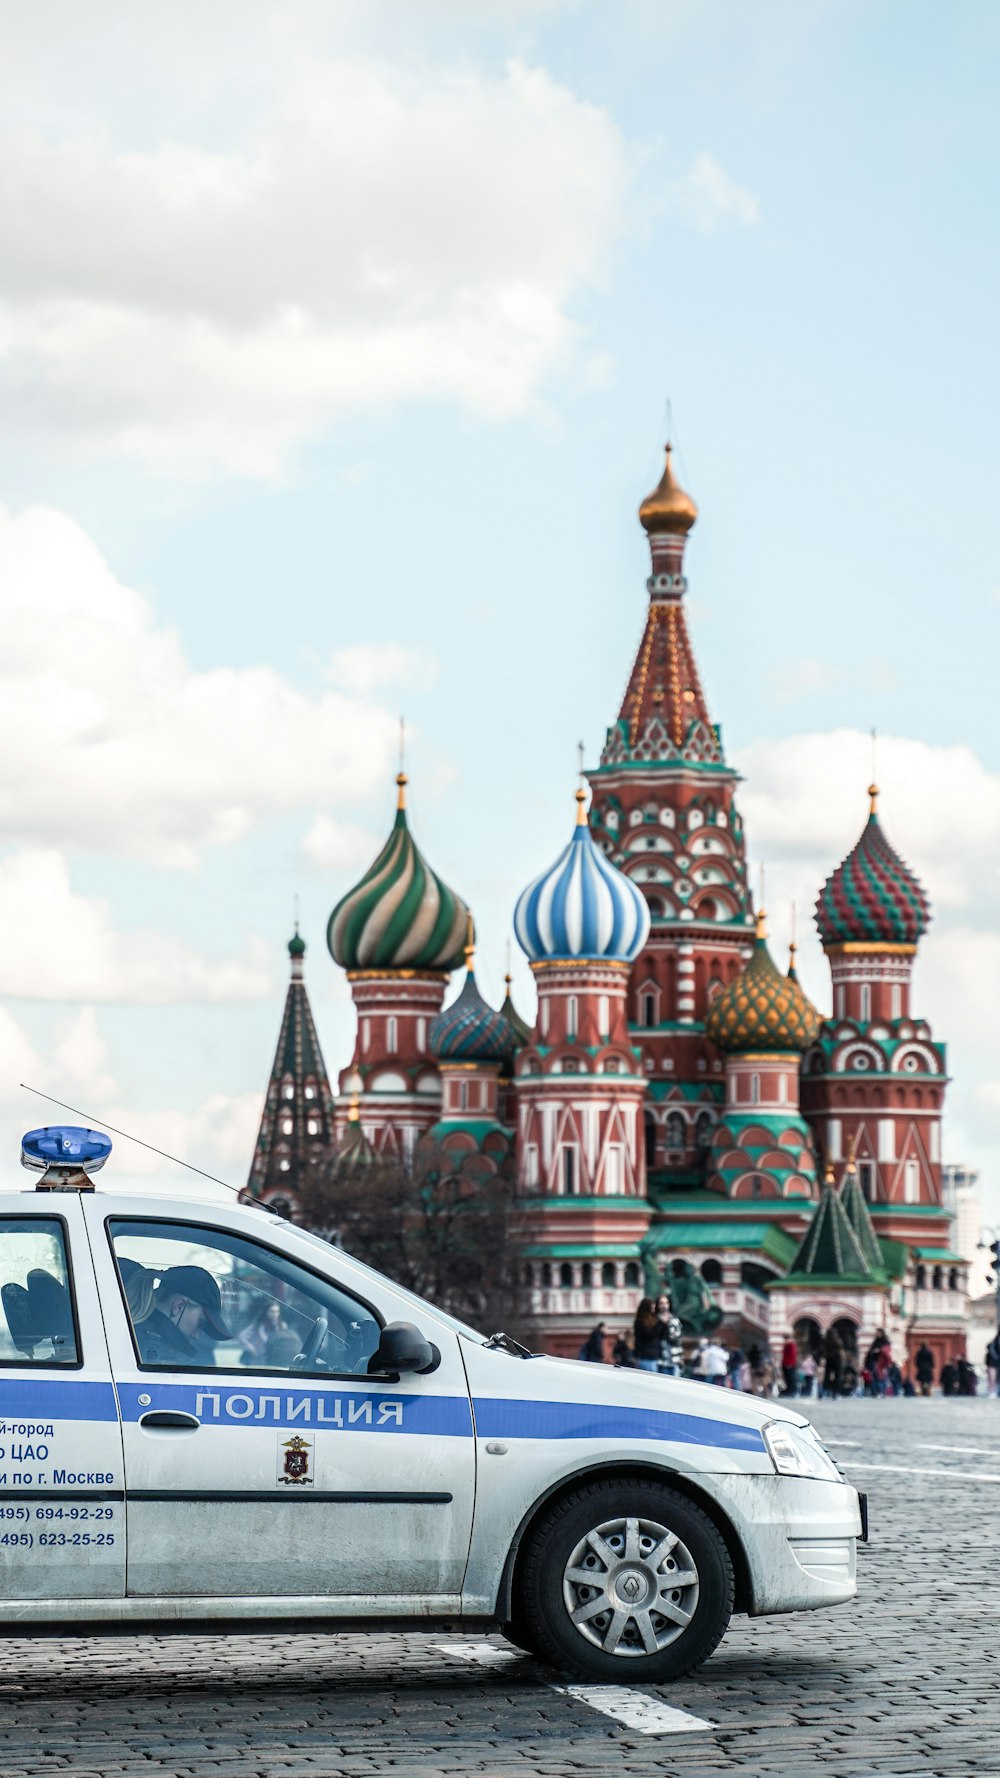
(209, 1414)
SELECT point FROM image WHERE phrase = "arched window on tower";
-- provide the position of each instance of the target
(587, 1275)
(572, 1015)
(631, 1275)
(676, 1131)
(390, 1035)
(566, 1277)
(866, 1003)
(755, 1089)
(649, 1130)
(649, 1010)
(703, 1130)
(608, 1275)
(920, 1278)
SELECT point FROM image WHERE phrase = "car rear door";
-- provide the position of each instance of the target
(62, 1518)
(248, 1478)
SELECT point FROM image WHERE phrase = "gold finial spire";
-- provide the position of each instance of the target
(852, 1147)
(873, 794)
(792, 946)
(470, 941)
(828, 1176)
(668, 507)
(353, 1112)
(873, 786)
(401, 778)
(762, 911)
(401, 781)
(581, 807)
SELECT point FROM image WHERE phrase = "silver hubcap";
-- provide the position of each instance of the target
(630, 1587)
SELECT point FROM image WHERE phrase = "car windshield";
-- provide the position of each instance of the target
(459, 1327)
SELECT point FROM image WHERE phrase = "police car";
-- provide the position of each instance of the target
(208, 1414)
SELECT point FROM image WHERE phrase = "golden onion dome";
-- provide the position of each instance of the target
(668, 508)
(762, 1009)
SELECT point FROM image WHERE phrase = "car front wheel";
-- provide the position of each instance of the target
(625, 1581)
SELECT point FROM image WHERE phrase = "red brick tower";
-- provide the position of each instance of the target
(398, 933)
(580, 1091)
(664, 811)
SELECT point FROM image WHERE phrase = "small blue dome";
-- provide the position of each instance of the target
(470, 1031)
(583, 906)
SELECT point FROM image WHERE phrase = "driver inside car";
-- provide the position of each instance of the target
(185, 1312)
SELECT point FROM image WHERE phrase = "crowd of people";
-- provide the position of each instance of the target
(828, 1370)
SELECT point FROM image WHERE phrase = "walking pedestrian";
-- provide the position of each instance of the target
(715, 1363)
(833, 1363)
(924, 1365)
(592, 1349)
(807, 1370)
(647, 1336)
(790, 1367)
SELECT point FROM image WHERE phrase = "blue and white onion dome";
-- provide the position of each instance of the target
(583, 906)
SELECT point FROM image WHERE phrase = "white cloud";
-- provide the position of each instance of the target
(56, 944)
(707, 199)
(384, 235)
(331, 845)
(805, 799)
(110, 740)
(809, 676)
(365, 667)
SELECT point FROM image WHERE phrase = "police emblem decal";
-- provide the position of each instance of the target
(295, 1462)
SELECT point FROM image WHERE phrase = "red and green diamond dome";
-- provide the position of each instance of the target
(872, 897)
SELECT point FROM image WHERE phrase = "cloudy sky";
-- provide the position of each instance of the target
(335, 347)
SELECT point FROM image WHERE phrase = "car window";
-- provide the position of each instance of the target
(203, 1298)
(38, 1324)
(419, 1302)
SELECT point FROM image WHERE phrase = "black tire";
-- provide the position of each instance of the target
(517, 1633)
(650, 1647)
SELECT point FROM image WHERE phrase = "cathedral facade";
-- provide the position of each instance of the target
(677, 1098)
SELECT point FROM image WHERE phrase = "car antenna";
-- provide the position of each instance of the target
(150, 1145)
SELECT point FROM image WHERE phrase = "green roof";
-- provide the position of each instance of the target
(613, 1201)
(477, 1127)
(830, 1248)
(895, 1256)
(853, 1202)
(711, 1234)
(751, 1208)
(817, 1280)
(606, 1250)
(956, 1259)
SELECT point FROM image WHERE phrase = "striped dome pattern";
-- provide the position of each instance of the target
(582, 906)
(872, 896)
(401, 915)
(470, 1030)
(762, 1009)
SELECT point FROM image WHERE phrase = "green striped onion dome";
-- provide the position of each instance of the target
(400, 915)
(762, 1009)
(872, 897)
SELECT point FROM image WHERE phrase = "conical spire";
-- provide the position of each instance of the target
(296, 1127)
(852, 1200)
(830, 1248)
(522, 1032)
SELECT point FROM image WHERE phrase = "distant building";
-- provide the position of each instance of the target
(677, 1096)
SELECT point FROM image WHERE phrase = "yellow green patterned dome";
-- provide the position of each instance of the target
(762, 1009)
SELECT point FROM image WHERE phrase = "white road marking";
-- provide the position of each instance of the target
(961, 1450)
(635, 1710)
(954, 1475)
(485, 1654)
(632, 1709)
(853, 1444)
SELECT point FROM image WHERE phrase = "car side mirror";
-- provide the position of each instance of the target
(403, 1348)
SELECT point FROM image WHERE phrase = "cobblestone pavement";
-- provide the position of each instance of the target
(902, 1682)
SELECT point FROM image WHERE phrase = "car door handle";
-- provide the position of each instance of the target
(168, 1420)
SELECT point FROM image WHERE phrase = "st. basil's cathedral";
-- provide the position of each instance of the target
(678, 1098)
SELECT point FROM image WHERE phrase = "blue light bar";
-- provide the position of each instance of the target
(65, 1145)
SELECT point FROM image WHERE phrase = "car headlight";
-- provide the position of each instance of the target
(796, 1450)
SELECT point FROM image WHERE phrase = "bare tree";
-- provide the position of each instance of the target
(448, 1229)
